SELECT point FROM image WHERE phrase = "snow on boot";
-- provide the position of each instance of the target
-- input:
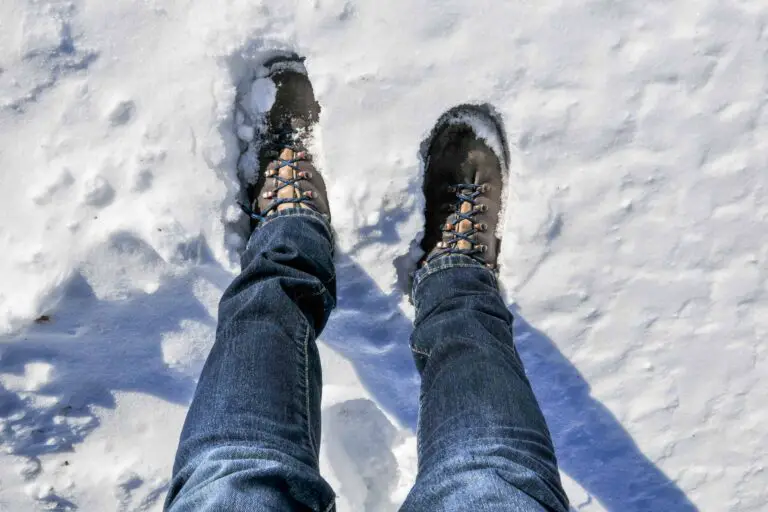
(288, 178)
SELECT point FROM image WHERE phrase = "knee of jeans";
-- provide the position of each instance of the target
(484, 485)
(253, 474)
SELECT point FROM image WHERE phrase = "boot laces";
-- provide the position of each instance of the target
(465, 193)
(281, 140)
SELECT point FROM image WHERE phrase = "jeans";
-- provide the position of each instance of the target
(250, 440)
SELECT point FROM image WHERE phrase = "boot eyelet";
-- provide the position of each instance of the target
(481, 208)
(484, 188)
(309, 195)
(268, 195)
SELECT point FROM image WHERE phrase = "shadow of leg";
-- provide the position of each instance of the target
(370, 331)
(592, 446)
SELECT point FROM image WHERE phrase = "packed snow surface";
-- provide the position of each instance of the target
(634, 254)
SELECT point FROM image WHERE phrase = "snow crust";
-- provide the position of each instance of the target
(634, 243)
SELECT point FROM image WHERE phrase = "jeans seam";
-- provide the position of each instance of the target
(307, 406)
(331, 279)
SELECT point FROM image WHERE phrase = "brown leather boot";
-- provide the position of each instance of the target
(464, 186)
(288, 179)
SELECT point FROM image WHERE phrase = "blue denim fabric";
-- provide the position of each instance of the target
(482, 439)
(250, 441)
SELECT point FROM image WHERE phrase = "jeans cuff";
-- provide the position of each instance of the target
(298, 212)
(445, 262)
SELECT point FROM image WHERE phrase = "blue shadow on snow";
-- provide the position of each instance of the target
(593, 448)
(368, 328)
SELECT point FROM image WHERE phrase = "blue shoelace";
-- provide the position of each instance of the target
(282, 140)
(465, 193)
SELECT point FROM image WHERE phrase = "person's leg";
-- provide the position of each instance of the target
(250, 441)
(252, 435)
(483, 442)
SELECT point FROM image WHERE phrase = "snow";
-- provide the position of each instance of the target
(634, 250)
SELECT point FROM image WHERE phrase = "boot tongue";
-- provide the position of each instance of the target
(288, 173)
(464, 226)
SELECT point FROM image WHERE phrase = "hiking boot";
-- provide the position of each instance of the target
(464, 186)
(288, 179)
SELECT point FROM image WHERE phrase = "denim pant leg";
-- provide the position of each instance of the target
(250, 441)
(483, 442)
